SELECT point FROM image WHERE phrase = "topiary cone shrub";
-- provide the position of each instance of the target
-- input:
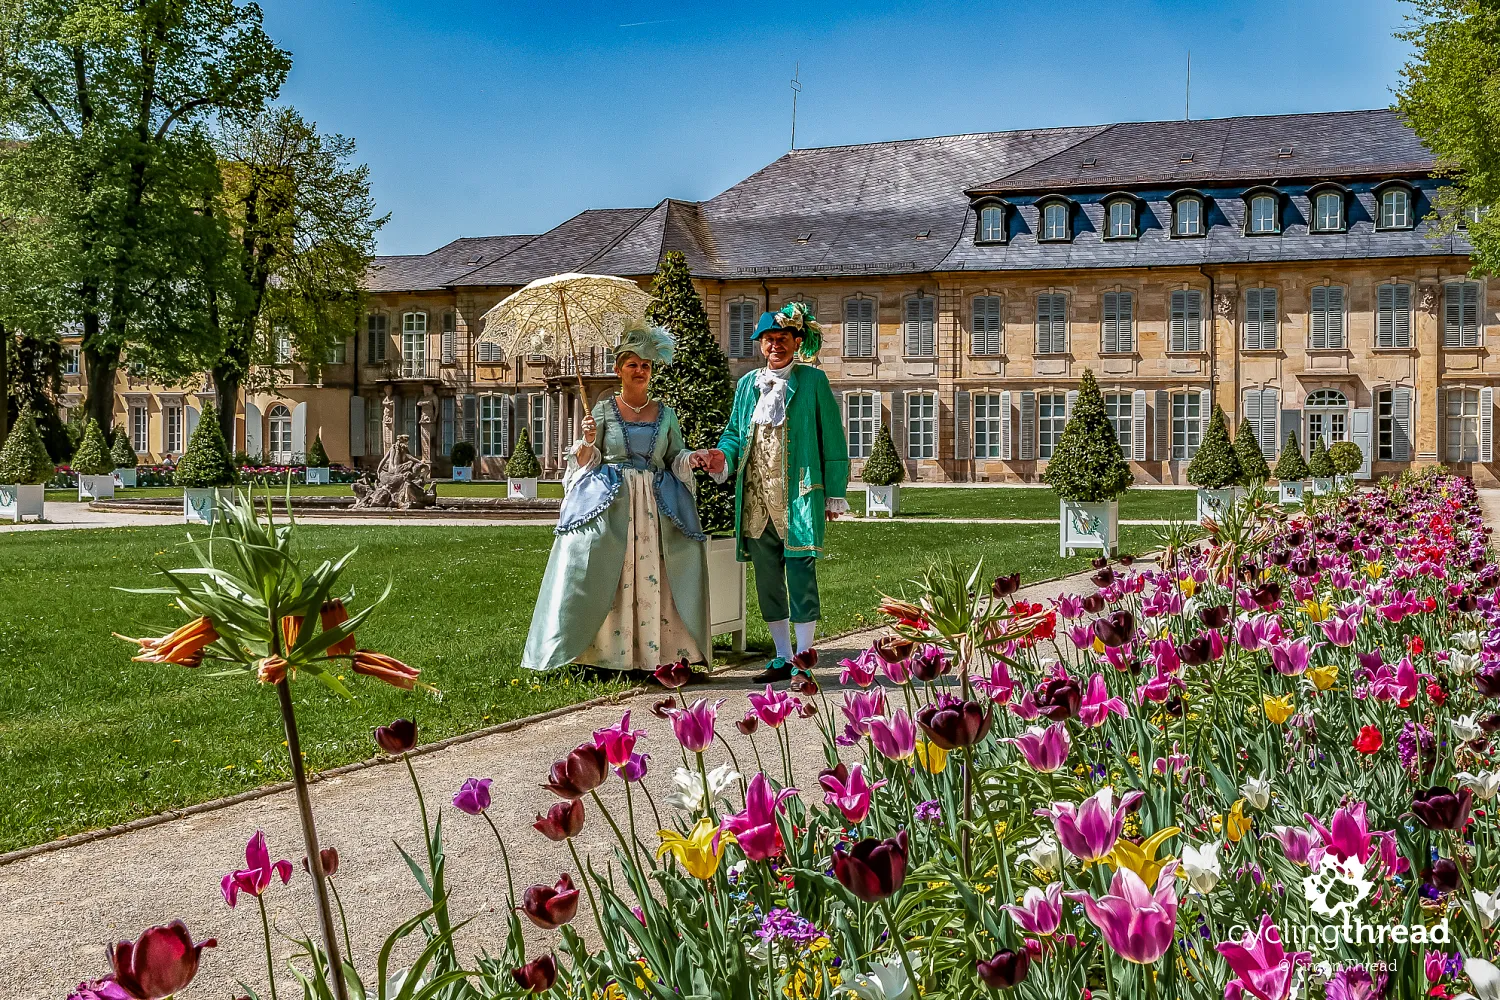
(206, 463)
(124, 456)
(1291, 467)
(93, 456)
(1319, 465)
(1215, 466)
(317, 457)
(1253, 467)
(884, 467)
(523, 463)
(1346, 457)
(1088, 466)
(24, 460)
(462, 454)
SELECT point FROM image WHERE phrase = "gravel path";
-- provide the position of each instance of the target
(64, 906)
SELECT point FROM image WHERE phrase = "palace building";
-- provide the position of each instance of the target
(1288, 268)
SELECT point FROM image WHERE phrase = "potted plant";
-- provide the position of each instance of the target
(1089, 472)
(1320, 467)
(1254, 471)
(1215, 469)
(463, 461)
(1291, 470)
(205, 472)
(522, 470)
(125, 459)
(882, 475)
(25, 468)
(316, 473)
(1346, 459)
(94, 465)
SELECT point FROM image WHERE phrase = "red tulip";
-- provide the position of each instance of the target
(673, 675)
(537, 975)
(873, 869)
(551, 906)
(580, 772)
(159, 963)
(397, 738)
(1369, 740)
(562, 821)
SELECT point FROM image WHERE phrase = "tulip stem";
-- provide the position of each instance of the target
(265, 927)
(708, 795)
(439, 893)
(344, 920)
(619, 834)
(891, 925)
(510, 885)
(583, 876)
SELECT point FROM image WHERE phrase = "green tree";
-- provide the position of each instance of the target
(115, 98)
(697, 384)
(1346, 457)
(462, 454)
(1319, 465)
(1216, 465)
(884, 467)
(1450, 96)
(206, 462)
(24, 460)
(523, 463)
(1291, 467)
(1088, 466)
(317, 457)
(123, 455)
(1253, 467)
(35, 382)
(92, 457)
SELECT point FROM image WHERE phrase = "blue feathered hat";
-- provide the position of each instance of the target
(795, 316)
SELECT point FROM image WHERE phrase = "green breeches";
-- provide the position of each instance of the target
(786, 585)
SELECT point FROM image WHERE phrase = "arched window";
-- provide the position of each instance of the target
(1327, 416)
(992, 224)
(1265, 216)
(279, 443)
(1395, 208)
(1189, 216)
(1121, 219)
(1055, 222)
(1328, 212)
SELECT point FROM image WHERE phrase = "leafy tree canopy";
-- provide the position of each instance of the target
(1088, 466)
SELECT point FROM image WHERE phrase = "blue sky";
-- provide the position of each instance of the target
(480, 117)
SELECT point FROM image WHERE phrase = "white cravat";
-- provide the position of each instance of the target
(770, 408)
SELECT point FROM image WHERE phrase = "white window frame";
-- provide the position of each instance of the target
(992, 224)
(1326, 321)
(1327, 224)
(1185, 321)
(740, 319)
(1059, 234)
(987, 326)
(538, 423)
(413, 343)
(861, 340)
(281, 345)
(1052, 323)
(989, 425)
(171, 430)
(71, 362)
(1327, 415)
(1120, 219)
(1184, 224)
(1257, 222)
(1187, 424)
(1460, 424)
(1395, 208)
(1117, 322)
(338, 353)
(921, 424)
(1393, 316)
(1051, 419)
(140, 429)
(919, 333)
(861, 422)
(1119, 407)
(278, 432)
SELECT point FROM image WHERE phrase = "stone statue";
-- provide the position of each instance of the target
(401, 481)
(387, 421)
(424, 421)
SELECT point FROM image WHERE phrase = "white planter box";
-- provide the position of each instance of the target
(463, 473)
(883, 500)
(726, 592)
(202, 506)
(1291, 492)
(317, 476)
(96, 487)
(521, 489)
(1344, 483)
(125, 477)
(1322, 486)
(1088, 526)
(1212, 503)
(17, 502)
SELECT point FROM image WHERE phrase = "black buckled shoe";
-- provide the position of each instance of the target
(776, 671)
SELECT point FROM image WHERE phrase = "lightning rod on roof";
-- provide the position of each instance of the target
(1187, 99)
(796, 89)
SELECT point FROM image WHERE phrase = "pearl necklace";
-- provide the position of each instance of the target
(637, 410)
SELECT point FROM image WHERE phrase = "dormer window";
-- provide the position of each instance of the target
(1395, 207)
(992, 224)
(1056, 222)
(1121, 219)
(1188, 214)
(1264, 214)
(1328, 211)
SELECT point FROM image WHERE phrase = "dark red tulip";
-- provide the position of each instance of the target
(1099, 562)
(1127, 560)
(1004, 586)
(1006, 970)
(1443, 875)
(893, 648)
(1215, 617)
(1345, 544)
(580, 772)
(659, 708)
(1490, 723)
(330, 858)
(872, 869)
(1266, 594)
(537, 975)
(839, 771)
(551, 906)
(1487, 680)
(929, 663)
(673, 675)
(397, 738)
(1093, 603)
(159, 963)
(1441, 809)
(1058, 698)
(1196, 651)
(951, 723)
(1294, 539)
(803, 684)
(1466, 604)
(804, 661)
(1104, 577)
(1116, 629)
(1304, 567)
(562, 821)
(748, 725)
(1280, 558)
(807, 709)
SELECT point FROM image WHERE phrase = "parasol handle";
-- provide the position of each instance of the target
(583, 393)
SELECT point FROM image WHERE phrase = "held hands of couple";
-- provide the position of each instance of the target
(710, 460)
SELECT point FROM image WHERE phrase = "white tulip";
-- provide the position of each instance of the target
(1484, 976)
(1201, 868)
(1463, 664)
(1466, 728)
(1488, 906)
(687, 793)
(1042, 852)
(1466, 640)
(886, 980)
(1257, 791)
(1486, 784)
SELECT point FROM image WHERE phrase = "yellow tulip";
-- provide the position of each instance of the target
(1278, 710)
(1374, 569)
(932, 757)
(1238, 823)
(696, 852)
(1316, 611)
(1141, 858)
(1098, 646)
(1324, 677)
(1188, 586)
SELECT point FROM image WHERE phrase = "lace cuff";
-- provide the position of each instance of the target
(594, 458)
(683, 470)
(836, 505)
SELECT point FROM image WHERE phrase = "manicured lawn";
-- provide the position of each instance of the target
(487, 489)
(88, 738)
(1006, 502)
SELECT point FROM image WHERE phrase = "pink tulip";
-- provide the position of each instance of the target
(694, 725)
(894, 736)
(755, 829)
(860, 671)
(1164, 656)
(1262, 968)
(1292, 658)
(852, 797)
(1040, 912)
(1088, 831)
(1097, 704)
(861, 706)
(618, 741)
(774, 707)
(1347, 836)
(1339, 631)
(1045, 750)
(1159, 688)
(1136, 922)
(255, 877)
(1256, 632)
(998, 685)
(1069, 606)
(1082, 635)
(1296, 843)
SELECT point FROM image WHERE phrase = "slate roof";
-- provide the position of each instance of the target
(435, 270)
(567, 247)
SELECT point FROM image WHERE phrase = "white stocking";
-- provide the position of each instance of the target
(781, 635)
(805, 632)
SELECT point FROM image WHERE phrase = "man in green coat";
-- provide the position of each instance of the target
(786, 449)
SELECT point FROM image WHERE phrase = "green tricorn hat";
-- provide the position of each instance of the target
(797, 317)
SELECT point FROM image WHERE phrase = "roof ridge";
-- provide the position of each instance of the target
(947, 135)
(645, 214)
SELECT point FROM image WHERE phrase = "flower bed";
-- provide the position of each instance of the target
(1261, 768)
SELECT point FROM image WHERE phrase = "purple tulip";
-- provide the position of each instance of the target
(998, 685)
(774, 707)
(1136, 922)
(861, 670)
(694, 725)
(1045, 750)
(894, 736)
(1040, 911)
(618, 741)
(1292, 658)
(1069, 606)
(1296, 842)
(852, 796)
(634, 769)
(1089, 830)
(256, 876)
(1097, 704)
(1340, 631)
(473, 796)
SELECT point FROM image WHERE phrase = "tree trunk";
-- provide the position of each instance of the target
(227, 384)
(101, 365)
(4, 383)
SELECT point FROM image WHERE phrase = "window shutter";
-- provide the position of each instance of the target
(1360, 422)
(356, 427)
(1072, 399)
(929, 326)
(920, 314)
(1486, 425)
(1385, 316)
(1268, 319)
(450, 345)
(1267, 432)
(1401, 423)
(898, 421)
(1401, 304)
(1205, 411)
(522, 419)
(1162, 408)
(1453, 316)
(1336, 316)
(1252, 319)
(1125, 322)
(1006, 450)
(471, 420)
(1441, 416)
(1291, 420)
(1138, 425)
(1318, 326)
(1110, 328)
(962, 423)
(1028, 426)
(1471, 314)
(1177, 328)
